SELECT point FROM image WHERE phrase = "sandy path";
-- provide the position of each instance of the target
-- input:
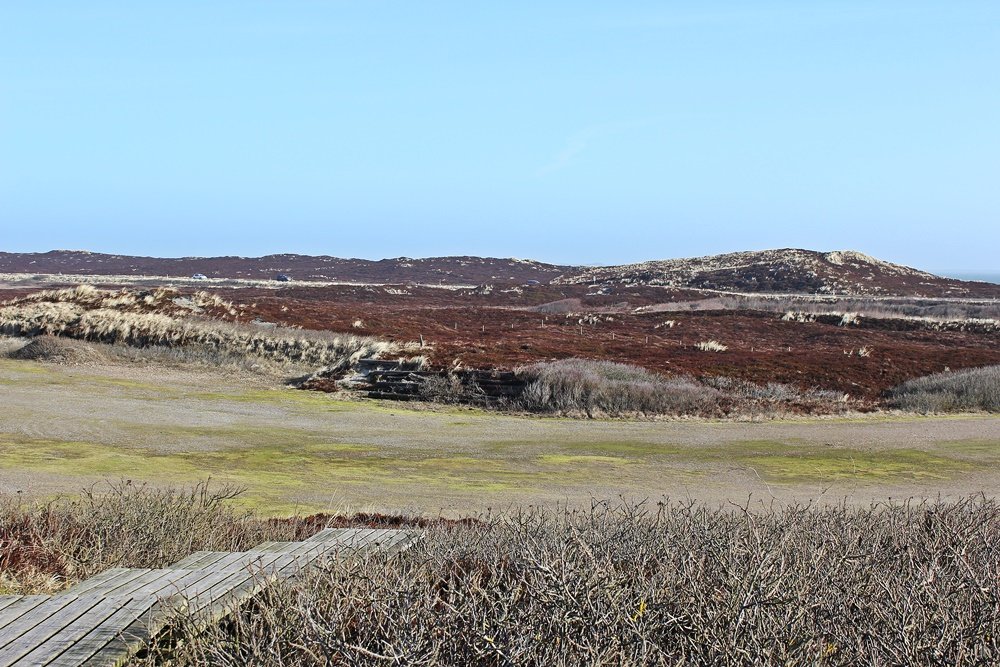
(64, 427)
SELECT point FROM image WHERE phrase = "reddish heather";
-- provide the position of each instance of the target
(761, 347)
(504, 328)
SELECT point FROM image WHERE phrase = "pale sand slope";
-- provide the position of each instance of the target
(62, 428)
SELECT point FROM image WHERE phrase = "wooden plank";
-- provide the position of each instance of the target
(54, 621)
(32, 617)
(222, 598)
(206, 584)
(145, 627)
(238, 558)
(97, 640)
(186, 579)
(271, 546)
(205, 559)
(93, 581)
(7, 600)
(72, 633)
(118, 588)
(212, 605)
(339, 537)
(20, 607)
(396, 542)
(193, 557)
(190, 582)
(152, 581)
(327, 534)
(126, 609)
(357, 538)
(115, 577)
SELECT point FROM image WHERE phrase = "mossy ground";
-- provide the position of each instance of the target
(302, 451)
(276, 472)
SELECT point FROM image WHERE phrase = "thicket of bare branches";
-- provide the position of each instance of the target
(602, 388)
(665, 584)
(952, 391)
(45, 547)
(607, 388)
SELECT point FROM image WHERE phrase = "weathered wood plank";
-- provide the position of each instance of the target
(7, 600)
(43, 653)
(54, 621)
(106, 619)
(93, 581)
(327, 534)
(193, 598)
(97, 640)
(270, 546)
(14, 611)
(397, 542)
(191, 558)
(26, 622)
(125, 588)
(204, 559)
(145, 627)
(99, 583)
(153, 581)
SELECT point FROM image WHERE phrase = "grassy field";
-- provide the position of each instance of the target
(62, 428)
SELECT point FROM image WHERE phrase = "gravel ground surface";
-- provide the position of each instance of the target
(64, 427)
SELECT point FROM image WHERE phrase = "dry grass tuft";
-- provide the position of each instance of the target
(159, 318)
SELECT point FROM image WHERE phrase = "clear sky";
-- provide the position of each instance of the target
(578, 132)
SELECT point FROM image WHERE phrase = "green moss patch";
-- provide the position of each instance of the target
(792, 463)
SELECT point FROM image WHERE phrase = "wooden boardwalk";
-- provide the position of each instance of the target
(110, 617)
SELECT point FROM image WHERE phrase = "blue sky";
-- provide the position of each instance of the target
(583, 132)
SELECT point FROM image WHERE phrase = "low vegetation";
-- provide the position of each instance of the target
(974, 389)
(162, 319)
(606, 388)
(650, 584)
(621, 583)
(45, 547)
(802, 307)
(601, 388)
(982, 316)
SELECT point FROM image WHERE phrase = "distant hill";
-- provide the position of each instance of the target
(433, 270)
(766, 271)
(787, 270)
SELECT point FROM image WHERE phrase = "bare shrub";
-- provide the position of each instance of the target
(774, 398)
(607, 388)
(624, 584)
(953, 391)
(450, 389)
(119, 525)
